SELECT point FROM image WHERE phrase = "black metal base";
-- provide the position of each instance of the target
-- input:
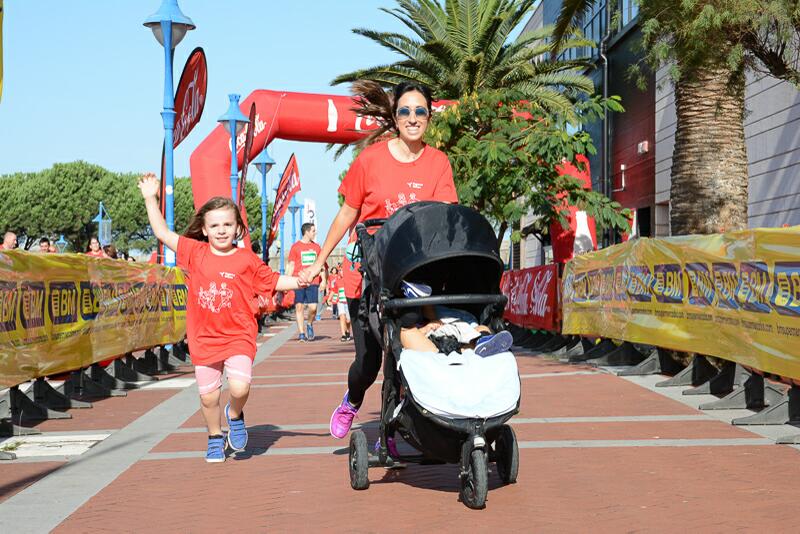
(537, 340)
(153, 364)
(7, 427)
(80, 384)
(755, 394)
(596, 351)
(732, 375)
(44, 393)
(657, 362)
(572, 349)
(122, 369)
(25, 408)
(785, 411)
(697, 372)
(166, 356)
(625, 354)
(98, 374)
(555, 344)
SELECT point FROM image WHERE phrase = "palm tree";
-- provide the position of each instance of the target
(465, 46)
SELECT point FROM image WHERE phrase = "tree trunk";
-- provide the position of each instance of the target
(709, 163)
(501, 232)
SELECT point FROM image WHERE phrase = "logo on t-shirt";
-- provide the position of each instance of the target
(341, 293)
(229, 276)
(414, 185)
(214, 299)
(402, 200)
(308, 257)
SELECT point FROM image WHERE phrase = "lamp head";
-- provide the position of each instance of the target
(169, 12)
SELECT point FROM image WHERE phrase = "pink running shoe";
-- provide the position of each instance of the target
(342, 418)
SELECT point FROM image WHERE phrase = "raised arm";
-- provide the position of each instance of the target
(149, 186)
(341, 223)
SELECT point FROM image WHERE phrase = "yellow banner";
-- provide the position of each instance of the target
(733, 295)
(60, 312)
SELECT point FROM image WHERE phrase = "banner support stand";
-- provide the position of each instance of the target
(697, 372)
(785, 411)
(601, 349)
(23, 407)
(7, 426)
(122, 369)
(625, 354)
(98, 374)
(657, 363)
(731, 376)
(755, 394)
(44, 393)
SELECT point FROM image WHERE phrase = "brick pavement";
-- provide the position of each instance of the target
(598, 453)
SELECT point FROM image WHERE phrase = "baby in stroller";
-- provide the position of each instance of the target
(442, 329)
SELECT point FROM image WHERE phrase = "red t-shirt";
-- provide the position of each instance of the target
(378, 185)
(223, 300)
(98, 254)
(303, 255)
(334, 283)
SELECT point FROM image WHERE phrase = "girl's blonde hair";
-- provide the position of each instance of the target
(195, 228)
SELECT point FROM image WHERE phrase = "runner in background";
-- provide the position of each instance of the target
(303, 254)
(339, 301)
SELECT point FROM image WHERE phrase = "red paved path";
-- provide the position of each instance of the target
(560, 488)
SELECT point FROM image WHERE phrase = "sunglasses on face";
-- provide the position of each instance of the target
(420, 112)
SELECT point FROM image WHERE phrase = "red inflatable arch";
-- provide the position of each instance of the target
(313, 118)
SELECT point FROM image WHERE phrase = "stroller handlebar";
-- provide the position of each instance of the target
(443, 300)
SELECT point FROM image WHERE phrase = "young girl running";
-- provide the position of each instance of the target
(224, 282)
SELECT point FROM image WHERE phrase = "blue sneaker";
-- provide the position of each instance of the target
(216, 449)
(237, 431)
(494, 344)
(310, 332)
(301, 338)
(415, 291)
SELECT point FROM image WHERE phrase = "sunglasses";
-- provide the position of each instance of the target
(420, 112)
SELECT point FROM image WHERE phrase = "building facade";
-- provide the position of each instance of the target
(641, 140)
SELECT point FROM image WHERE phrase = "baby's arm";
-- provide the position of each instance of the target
(415, 339)
(149, 186)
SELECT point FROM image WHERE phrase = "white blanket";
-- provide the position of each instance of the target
(462, 385)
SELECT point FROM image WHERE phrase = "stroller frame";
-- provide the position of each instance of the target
(478, 441)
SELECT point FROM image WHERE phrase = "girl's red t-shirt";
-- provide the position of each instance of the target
(223, 300)
(378, 185)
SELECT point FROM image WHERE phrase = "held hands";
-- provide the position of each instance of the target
(149, 185)
(309, 273)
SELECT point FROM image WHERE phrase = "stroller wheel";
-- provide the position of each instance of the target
(507, 455)
(359, 461)
(474, 483)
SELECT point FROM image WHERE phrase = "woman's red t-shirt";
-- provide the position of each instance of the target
(98, 254)
(223, 300)
(378, 185)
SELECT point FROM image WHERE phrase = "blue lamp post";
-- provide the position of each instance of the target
(294, 207)
(264, 163)
(61, 244)
(103, 225)
(169, 26)
(233, 120)
(281, 228)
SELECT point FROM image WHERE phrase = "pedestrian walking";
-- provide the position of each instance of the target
(386, 175)
(225, 283)
(301, 255)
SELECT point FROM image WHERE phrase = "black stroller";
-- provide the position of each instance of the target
(453, 249)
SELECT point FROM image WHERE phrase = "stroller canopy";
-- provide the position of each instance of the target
(450, 247)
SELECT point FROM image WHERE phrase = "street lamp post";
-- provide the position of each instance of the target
(61, 244)
(169, 25)
(264, 163)
(293, 209)
(233, 120)
(103, 225)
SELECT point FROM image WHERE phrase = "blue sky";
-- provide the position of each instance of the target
(84, 79)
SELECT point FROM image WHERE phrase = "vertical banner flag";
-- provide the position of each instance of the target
(248, 145)
(190, 100)
(288, 186)
(1, 49)
(310, 211)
